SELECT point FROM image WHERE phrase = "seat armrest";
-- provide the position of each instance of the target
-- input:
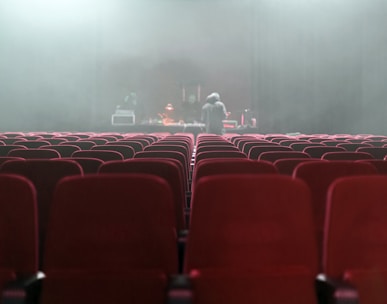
(333, 291)
(179, 290)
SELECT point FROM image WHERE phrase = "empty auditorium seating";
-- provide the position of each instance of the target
(104, 155)
(318, 151)
(88, 164)
(207, 167)
(18, 232)
(83, 145)
(355, 238)
(44, 174)
(63, 149)
(178, 156)
(302, 146)
(376, 152)
(120, 245)
(34, 153)
(136, 145)
(32, 143)
(272, 156)
(218, 154)
(164, 168)
(318, 176)
(251, 240)
(287, 166)
(255, 151)
(4, 150)
(126, 151)
(340, 155)
(379, 164)
(353, 146)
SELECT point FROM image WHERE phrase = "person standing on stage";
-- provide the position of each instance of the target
(213, 113)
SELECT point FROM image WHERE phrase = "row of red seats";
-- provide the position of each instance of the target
(263, 149)
(112, 238)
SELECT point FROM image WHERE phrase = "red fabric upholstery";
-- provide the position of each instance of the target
(44, 174)
(18, 228)
(287, 285)
(164, 168)
(251, 221)
(272, 156)
(119, 245)
(346, 156)
(356, 235)
(319, 175)
(104, 155)
(32, 153)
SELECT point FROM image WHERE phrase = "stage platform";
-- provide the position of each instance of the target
(176, 128)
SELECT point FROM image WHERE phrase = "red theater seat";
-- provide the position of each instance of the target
(251, 240)
(208, 167)
(256, 151)
(272, 156)
(287, 166)
(122, 239)
(317, 152)
(104, 155)
(44, 174)
(346, 156)
(164, 168)
(126, 151)
(356, 236)
(18, 231)
(32, 153)
(318, 176)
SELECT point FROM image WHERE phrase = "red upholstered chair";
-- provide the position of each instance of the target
(376, 152)
(167, 147)
(218, 154)
(251, 240)
(88, 164)
(18, 231)
(177, 156)
(126, 151)
(256, 151)
(122, 238)
(356, 236)
(33, 144)
(302, 146)
(272, 156)
(346, 156)
(379, 164)
(245, 146)
(317, 152)
(3, 159)
(4, 150)
(164, 168)
(318, 176)
(226, 147)
(44, 174)
(10, 141)
(333, 143)
(63, 149)
(83, 145)
(353, 146)
(208, 167)
(104, 155)
(34, 153)
(136, 145)
(287, 166)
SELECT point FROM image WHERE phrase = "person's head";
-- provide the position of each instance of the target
(213, 97)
